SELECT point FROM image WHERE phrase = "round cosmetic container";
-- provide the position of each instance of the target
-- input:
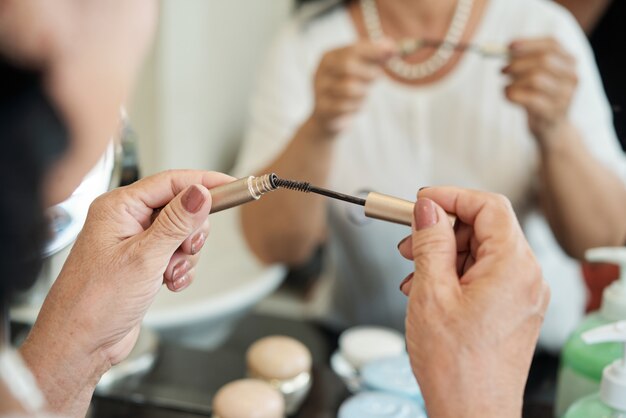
(380, 405)
(363, 344)
(284, 363)
(248, 398)
(392, 375)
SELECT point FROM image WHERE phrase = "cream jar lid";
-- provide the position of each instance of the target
(248, 398)
(278, 357)
(362, 344)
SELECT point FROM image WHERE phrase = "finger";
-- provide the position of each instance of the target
(406, 247)
(194, 243)
(521, 47)
(538, 82)
(336, 108)
(491, 215)
(183, 215)
(347, 88)
(363, 60)
(562, 67)
(434, 247)
(158, 190)
(374, 51)
(178, 266)
(405, 285)
(536, 103)
(183, 282)
(351, 67)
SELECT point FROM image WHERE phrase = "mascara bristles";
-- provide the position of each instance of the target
(302, 186)
(299, 186)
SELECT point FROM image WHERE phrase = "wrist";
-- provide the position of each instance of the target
(555, 138)
(470, 388)
(67, 372)
(318, 129)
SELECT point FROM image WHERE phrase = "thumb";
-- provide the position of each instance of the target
(177, 220)
(434, 247)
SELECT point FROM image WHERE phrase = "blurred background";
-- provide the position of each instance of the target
(191, 106)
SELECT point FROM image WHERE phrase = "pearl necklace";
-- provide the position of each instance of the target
(440, 58)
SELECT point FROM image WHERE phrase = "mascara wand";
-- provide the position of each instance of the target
(377, 205)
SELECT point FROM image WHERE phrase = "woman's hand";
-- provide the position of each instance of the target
(342, 81)
(127, 249)
(476, 303)
(543, 81)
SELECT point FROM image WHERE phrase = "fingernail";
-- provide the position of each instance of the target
(406, 280)
(193, 199)
(181, 283)
(425, 214)
(403, 241)
(423, 188)
(197, 243)
(179, 270)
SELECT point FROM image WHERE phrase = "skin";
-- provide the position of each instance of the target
(542, 80)
(135, 238)
(476, 303)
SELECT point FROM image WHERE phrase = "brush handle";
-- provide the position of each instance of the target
(392, 209)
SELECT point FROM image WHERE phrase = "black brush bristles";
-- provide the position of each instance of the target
(299, 186)
(302, 186)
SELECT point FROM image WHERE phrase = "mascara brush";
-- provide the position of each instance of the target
(376, 205)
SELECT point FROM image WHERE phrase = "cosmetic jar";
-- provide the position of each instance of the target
(248, 398)
(284, 363)
(363, 344)
(392, 375)
(380, 405)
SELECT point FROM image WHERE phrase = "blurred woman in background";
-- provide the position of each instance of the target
(338, 105)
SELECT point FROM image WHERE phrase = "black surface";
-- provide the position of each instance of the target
(184, 380)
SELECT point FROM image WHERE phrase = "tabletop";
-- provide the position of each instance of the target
(183, 381)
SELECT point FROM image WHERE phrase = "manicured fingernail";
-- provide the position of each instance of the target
(403, 241)
(181, 283)
(406, 280)
(197, 242)
(425, 214)
(180, 270)
(193, 199)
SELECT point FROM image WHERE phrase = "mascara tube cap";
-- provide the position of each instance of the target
(392, 209)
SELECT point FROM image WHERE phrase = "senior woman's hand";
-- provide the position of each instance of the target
(476, 303)
(126, 251)
(342, 82)
(543, 81)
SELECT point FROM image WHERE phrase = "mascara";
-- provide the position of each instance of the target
(376, 205)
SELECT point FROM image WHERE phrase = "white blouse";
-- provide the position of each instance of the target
(459, 131)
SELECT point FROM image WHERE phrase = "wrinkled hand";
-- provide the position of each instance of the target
(543, 81)
(476, 303)
(124, 254)
(342, 81)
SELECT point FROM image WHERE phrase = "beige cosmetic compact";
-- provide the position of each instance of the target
(248, 398)
(284, 363)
